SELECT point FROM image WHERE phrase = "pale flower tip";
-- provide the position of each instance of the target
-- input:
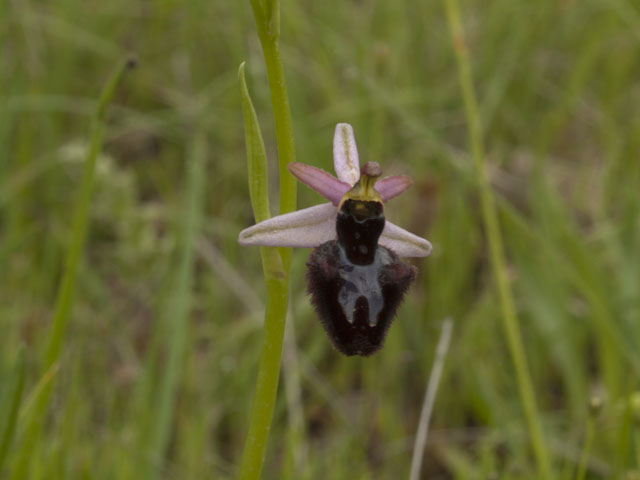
(345, 130)
(403, 243)
(244, 238)
(427, 248)
(345, 154)
(242, 242)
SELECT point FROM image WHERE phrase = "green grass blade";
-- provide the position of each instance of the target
(256, 154)
(14, 394)
(66, 291)
(176, 319)
(65, 298)
(496, 249)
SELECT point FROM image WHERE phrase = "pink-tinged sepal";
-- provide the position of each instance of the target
(391, 187)
(325, 184)
(403, 243)
(345, 154)
(309, 227)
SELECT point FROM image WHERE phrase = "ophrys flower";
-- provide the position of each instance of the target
(354, 276)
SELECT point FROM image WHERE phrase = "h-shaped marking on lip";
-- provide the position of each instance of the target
(361, 281)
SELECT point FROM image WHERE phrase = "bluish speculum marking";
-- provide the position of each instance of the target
(362, 281)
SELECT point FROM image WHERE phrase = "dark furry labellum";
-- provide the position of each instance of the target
(356, 285)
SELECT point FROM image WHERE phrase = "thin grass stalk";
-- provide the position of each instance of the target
(429, 399)
(14, 396)
(296, 456)
(176, 319)
(588, 441)
(636, 444)
(496, 249)
(67, 288)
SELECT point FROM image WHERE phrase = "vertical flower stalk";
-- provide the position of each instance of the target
(267, 16)
(496, 249)
(275, 262)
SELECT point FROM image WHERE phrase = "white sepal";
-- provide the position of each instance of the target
(403, 243)
(309, 227)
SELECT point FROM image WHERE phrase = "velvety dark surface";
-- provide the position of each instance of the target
(359, 225)
(324, 283)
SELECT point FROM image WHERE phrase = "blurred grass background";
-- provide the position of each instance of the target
(558, 83)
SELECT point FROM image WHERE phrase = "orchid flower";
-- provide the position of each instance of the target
(354, 276)
(315, 225)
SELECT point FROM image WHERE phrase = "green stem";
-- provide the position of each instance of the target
(64, 301)
(268, 26)
(14, 394)
(636, 441)
(66, 291)
(276, 267)
(586, 449)
(267, 381)
(283, 124)
(496, 249)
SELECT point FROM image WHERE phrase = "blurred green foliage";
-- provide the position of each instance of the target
(559, 92)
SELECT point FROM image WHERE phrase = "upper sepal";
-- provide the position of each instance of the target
(345, 154)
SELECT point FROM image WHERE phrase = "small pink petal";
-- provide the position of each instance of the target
(326, 185)
(403, 243)
(345, 154)
(303, 228)
(391, 187)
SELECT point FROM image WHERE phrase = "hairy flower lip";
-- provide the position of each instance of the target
(315, 225)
